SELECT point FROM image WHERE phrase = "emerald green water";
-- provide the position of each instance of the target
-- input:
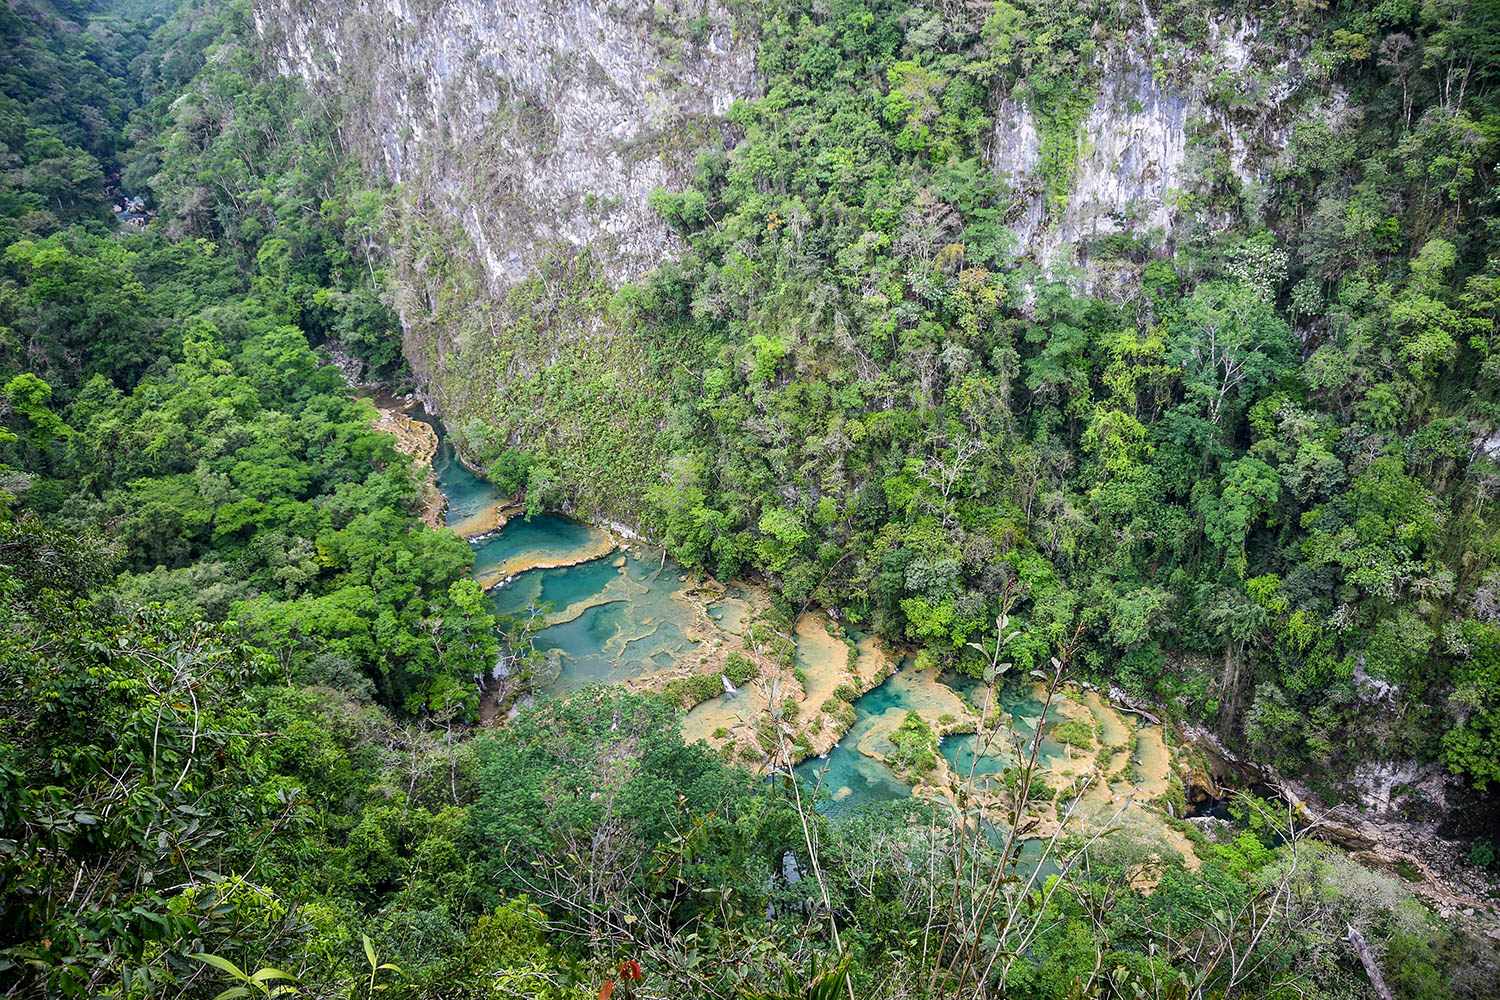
(467, 493)
(1003, 749)
(849, 779)
(554, 590)
(543, 538)
(610, 619)
(960, 752)
(617, 616)
(609, 622)
(640, 631)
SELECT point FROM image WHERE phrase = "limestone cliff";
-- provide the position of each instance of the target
(526, 123)
(1177, 143)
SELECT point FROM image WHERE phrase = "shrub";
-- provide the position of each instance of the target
(739, 668)
(916, 746)
(1074, 733)
(694, 690)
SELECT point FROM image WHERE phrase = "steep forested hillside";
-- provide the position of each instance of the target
(1255, 464)
(211, 575)
(1247, 481)
(1260, 480)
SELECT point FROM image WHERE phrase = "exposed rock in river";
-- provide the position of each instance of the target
(418, 440)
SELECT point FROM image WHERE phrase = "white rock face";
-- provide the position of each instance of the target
(1383, 787)
(537, 124)
(1132, 159)
(1136, 156)
(530, 123)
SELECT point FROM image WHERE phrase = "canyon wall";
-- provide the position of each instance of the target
(530, 123)
(522, 141)
(1178, 143)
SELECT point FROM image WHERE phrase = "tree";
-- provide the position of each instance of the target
(1236, 621)
(1250, 491)
(1231, 346)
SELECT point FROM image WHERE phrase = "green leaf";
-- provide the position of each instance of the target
(369, 950)
(232, 993)
(223, 965)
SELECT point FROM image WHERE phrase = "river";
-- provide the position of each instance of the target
(613, 611)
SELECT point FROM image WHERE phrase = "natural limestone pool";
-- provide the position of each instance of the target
(848, 778)
(543, 542)
(613, 619)
(473, 503)
(612, 611)
(852, 774)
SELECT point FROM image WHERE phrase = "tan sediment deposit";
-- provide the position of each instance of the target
(874, 662)
(1113, 730)
(831, 675)
(1113, 784)
(714, 641)
(1153, 764)
(1116, 739)
(600, 543)
(941, 707)
(944, 712)
(1128, 775)
(733, 722)
(811, 693)
(487, 519)
(1076, 762)
(729, 722)
(823, 660)
(734, 613)
(419, 442)
(1117, 778)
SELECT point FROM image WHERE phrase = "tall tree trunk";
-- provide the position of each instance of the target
(1229, 686)
(1367, 959)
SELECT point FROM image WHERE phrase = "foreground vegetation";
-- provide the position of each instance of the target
(234, 663)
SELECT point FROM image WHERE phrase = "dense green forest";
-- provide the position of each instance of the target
(236, 668)
(1261, 479)
(1258, 482)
